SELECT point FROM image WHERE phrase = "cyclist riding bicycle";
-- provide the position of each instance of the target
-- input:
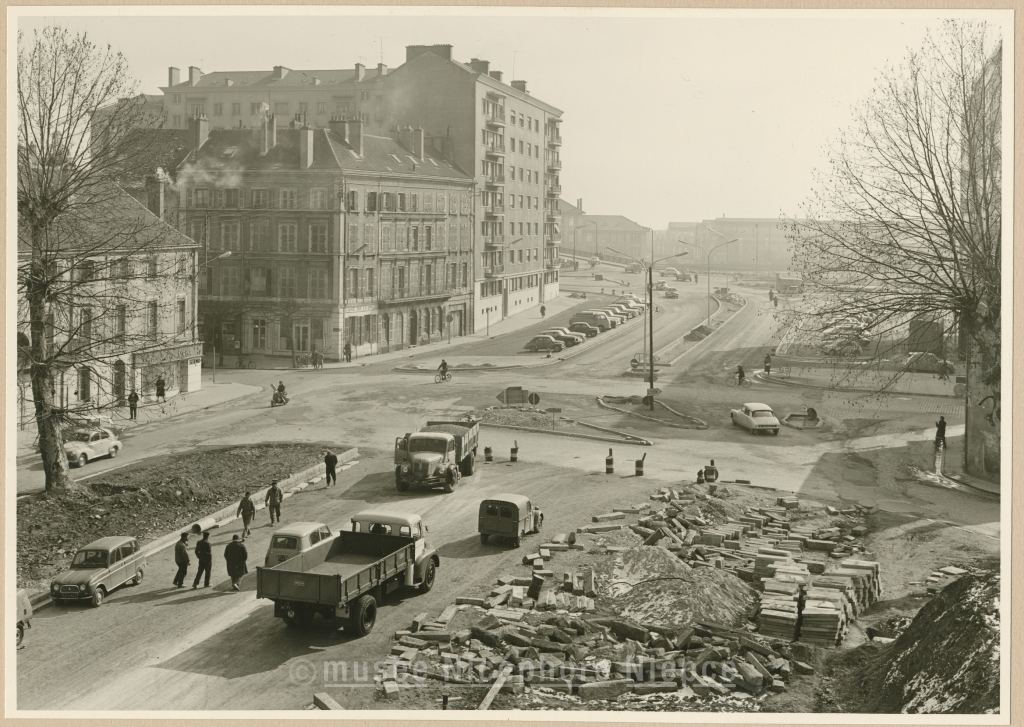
(443, 368)
(739, 375)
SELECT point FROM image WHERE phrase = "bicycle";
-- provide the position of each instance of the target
(302, 360)
(244, 362)
(446, 376)
(734, 381)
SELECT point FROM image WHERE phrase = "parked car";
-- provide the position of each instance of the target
(669, 273)
(544, 343)
(671, 294)
(566, 331)
(756, 418)
(82, 445)
(509, 516)
(630, 297)
(928, 363)
(293, 540)
(683, 277)
(585, 328)
(569, 339)
(98, 568)
(626, 310)
(24, 615)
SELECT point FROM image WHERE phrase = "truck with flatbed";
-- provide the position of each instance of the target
(437, 455)
(347, 576)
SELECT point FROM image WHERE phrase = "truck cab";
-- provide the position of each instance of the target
(405, 525)
(436, 456)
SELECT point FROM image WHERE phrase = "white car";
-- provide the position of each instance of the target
(83, 445)
(756, 417)
(669, 273)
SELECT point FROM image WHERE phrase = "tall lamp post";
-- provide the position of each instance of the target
(650, 308)
(708, 253)
(195, 303)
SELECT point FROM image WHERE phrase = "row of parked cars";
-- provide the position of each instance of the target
(586, 324)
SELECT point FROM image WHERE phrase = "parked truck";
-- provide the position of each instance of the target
(438, 455)
(347, 576)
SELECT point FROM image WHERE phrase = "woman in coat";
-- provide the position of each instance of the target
(235, 554)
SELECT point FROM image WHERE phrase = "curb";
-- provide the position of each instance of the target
(697, 345)
(623, 438)
(295, 483)
(602, 404)
(768, 380)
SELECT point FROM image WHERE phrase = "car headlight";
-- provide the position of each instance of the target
(405, 468)
(54, 588)
(81, 589)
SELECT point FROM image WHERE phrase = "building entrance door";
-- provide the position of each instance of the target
(414, 319)
(301, 333)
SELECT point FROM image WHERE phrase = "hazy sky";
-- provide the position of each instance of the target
(679, 117)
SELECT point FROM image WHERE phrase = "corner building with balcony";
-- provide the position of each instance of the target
(336, 236)
(509, 141)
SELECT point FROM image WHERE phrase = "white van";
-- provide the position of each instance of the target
(594, 318)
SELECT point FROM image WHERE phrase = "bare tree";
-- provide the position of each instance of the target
(81, 239)
(906, 220)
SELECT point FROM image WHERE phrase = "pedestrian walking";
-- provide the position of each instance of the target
(133, 405)
(181, 560)
(161, 389)
(348, 352)
(768, 364)
(543, 310)
(204, 558)
(273, 501)
(940, 432)
(247, 511)
(331, 461)
(711, 472)
(235, 554)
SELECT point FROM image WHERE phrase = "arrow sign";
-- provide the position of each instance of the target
(513, 395)
(534, 399)
(653, 392)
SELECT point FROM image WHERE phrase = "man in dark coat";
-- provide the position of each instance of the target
(247, 511)
(133, 405)
(161, 389)
(331, 461)
(348, 352)
(711, 472)
(273, 501)
(940, 432)
(235, 554)
(204, 556)
(181, 560)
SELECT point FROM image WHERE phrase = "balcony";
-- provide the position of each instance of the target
(550, 239)
(554, 139)
(495, 118)
(494, 150)
(494, 271)
(494, 241)
(553, 190)
(554, 264)
(494, 180)
(552, 215)
(494, 210)
(554, 164)
(412, 293)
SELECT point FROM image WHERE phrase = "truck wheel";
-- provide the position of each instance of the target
(399, 484)
(516, 542)
(449, 480)
(468, 465)
(364, 615)
(21, 635)
(483, 538)
(428, 577)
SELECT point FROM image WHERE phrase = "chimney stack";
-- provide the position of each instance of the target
(173, 76)
(360, 71)
(155, 194)
(194, 74)
(337, 125)
(480, 66)
(199, 126)
(268, 133)
(355, 135)
(382, 70)
(417, 143)
(280, 72)
(520, 86)
(496, 75)
(228, 82)
(305, 147)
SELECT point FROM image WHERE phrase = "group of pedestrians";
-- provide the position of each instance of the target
(235, 556)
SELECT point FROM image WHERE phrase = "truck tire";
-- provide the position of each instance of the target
(450, 480)
(483, 538)
(399, 484)
(429, 574)
(468, 465)
(363, 616)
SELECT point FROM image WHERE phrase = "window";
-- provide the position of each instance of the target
(287, 283)
(152, 266)
(414, 200)
(198, 109)
(353, 291)
(353, 238)
(176, 97)
(232, 198)
(318, 237)
(152, 318)
(369, 282)
(414, 238)
(369, 239)
(512, 201)
(261, 198)
(259, 235)
(236, 109)
(259, 333)
(321, 107)
(352, 204)
(259, 282)
(521, 202)
(182, 321)
(318, 283)
(371, 201)
(465, 275)
(84, 384)
(289, 199)
(231, 235)
(255, 109)
(281, 108)
(229, 280)
(288, 237)
(364, 95)
(520, 146)
(200, 198)
(520, 121)
(218, 109)
(385, 237)
(318, 198)
(428, 234)
(427, 202)
(342, 107)
(176, 121)
(303, 107)
(120, 322)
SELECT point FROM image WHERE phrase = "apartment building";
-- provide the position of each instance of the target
(598, 233)
(321, 237)
(241, 99)
(761, 243)
(509, 142)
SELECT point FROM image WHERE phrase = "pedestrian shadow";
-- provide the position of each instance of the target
(201, 594)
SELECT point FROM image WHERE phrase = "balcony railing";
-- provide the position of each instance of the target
(493, 240)
(553, 264)
(492, 210)
(550, 239)
(494, 271)
(495, 116)
(554, 139)
(413, 292)
(495, 149)
(552, 216)
(554, 190)
(494, 179)
(554, 164)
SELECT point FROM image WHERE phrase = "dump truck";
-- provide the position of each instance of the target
(438, 455)
(347, 576)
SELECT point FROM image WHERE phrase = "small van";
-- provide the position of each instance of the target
(294, 540)
(594, 318)
(509, 516)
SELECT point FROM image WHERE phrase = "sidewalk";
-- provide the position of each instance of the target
(210, 395)
(860, 381)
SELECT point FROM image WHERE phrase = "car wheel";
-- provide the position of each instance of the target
(97, 597)
(531, 349)
(82, 460)
(483, 538)
(139, 575)
(516, 542)
(20, 636)
(775, 432)
(364, 616)
(112, 453)
(428, 577)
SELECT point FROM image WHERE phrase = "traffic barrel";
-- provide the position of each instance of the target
(488, 455)
(515, 452)
(609, 463)
(640, 466)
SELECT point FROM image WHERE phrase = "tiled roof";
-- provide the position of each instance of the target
(615, 222)
(265, 79)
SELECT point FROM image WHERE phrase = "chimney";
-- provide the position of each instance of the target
(194, 74)
(355, 135)
(496, 75)
(199, 131)
(338, 126)
(173, 76)
(228, 82)
(155, 194)
(360, 71)
(415, 51)
(268, 134)
(382, 70)
(280, 72)
(316, 81)
(305, 147)
(417, 143)
(520, 86)
(480, 66)
(579, 204)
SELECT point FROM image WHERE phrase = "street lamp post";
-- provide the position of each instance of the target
(708, 253)
(650, 308)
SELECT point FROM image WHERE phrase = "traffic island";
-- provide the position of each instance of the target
(677, 420)
(547, 422)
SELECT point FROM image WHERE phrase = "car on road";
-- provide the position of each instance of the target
(585, 328)
(98, 568)
(671, 294)
(544, 343)
(509, 516)
(634, 268)
(24, 615)
(295, 539)
(629, 296)
(617, 317)
(568, 338)
(683, 277)
(594, 318)
(668, 273)
(83, 445)
(926, 362)
(756, 418)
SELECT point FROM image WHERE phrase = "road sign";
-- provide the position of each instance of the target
(647, 400)
(634, 364)
(554, 410)
(534, 399)
(653, 392)
(449, 318)
(513, 395)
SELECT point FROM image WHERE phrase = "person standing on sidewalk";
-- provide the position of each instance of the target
(247, 511)
(235, 554)
(768, 364)
(204, 558)
(161, 389)
(181, 560)
(348, 352)
(133, 405)
(273, 501)
(543, 310)
(940, 432)
(331, 461)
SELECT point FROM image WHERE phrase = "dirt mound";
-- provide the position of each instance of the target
(651, 584)
(523, 418)
(697, 334)
(945, 662)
